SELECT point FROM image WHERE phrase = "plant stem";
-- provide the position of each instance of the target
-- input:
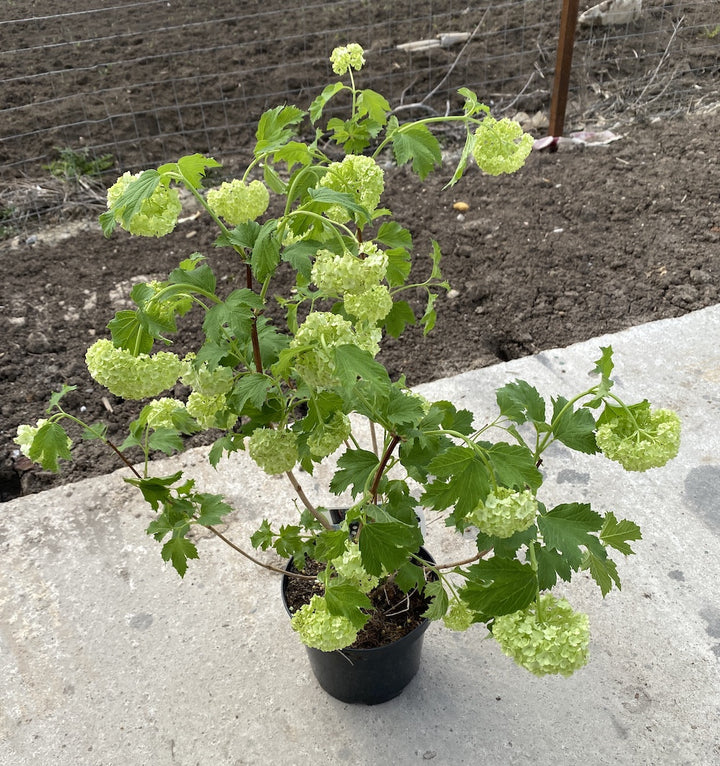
(253, 328)
(303, 498)
(257, 561)
(383, 464)
(454, 564)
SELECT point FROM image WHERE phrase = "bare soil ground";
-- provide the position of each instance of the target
(582, 242)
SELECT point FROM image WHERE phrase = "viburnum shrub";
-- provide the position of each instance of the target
(290, 392)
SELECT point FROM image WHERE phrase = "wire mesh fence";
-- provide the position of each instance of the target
(131, 84)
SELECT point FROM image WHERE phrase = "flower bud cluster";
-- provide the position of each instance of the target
(158, 214)
(349, 567)
(275, 451)
(210, 410)
(359, 176)
(239, 203)
(459, 616)
(132, 377)
(551, 638)
(326, 438)
(346, 56)
(158, 413)
(501, 146)
(320, 629)
(209, 382)
(504, 512)
(648, 441)
(322, 332)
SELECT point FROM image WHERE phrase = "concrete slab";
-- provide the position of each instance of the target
(109, 659)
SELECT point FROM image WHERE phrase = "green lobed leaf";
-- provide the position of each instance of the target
(213, 508)
(551, 564)
(178, 550)
(616, 533)
(200, 277)
(400, 316)
(193, 167)
(49, 445)
(519, 401)
(499, 586)
(165, 440)
(574, 428)
(387, 546)
(602, 569)
(275, 128)
(127, 332)
(252, 387)
(462, 479)
(266, 252)
(155, 489)
(56, 396)
(514, 465)
(439, 603)
(393, 235)
(374, 105)
(320, 102)
(399, 265)
(355, 467)
(604, 367)
(570, 527)
(344, 599)
(415, 143)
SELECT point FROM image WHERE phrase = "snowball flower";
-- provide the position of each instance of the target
(158, 213)
(132, 377)
(501, 146)
(322, 332)
(346, 56)
(649, 441)
(371, 306)
(504, 512)
(327, 437)
(320, 629)
(335, 275)
(551, 639)
(359, 176)
(275, 451)
(238, 203)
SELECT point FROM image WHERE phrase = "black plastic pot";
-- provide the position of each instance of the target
(368, 676)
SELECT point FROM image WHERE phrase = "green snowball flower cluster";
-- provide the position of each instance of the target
(158, 414)
(323, 332)
(501, 146)
(648, 441)
(132, 377)
(219, 380)
(349, 567)
(459, 616)
(239, 203)
(335, 275)
(158, 214)
(504, 512)
(359, 176)
(320, 629)
(326, 438)
(370, 306)
(346, 56)
(275, 451)
(551, 639)
(210, 410)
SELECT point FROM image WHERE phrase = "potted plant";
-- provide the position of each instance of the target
(291, 378)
